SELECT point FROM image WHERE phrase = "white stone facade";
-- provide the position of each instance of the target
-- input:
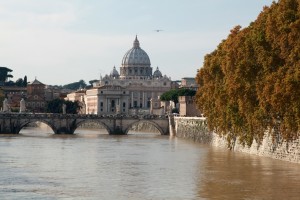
(133, 89)
(91, 101)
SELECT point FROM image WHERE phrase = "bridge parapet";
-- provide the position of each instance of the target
(68, 123)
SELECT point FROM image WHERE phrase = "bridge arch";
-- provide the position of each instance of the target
(26, 122)
(79, 123)
(145, 121)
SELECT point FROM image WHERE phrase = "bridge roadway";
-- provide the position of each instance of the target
(12, 123)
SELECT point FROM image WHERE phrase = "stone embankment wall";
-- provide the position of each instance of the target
(144, 127)
(140, 127)
(194, 128)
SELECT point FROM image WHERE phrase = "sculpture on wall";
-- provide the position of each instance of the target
(6, 107)
(22, 106)
(64, 106)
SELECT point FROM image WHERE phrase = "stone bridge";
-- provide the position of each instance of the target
(12, 123)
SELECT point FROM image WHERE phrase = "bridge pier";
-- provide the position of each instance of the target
(117, 131)
(172, 131)
(63, 130)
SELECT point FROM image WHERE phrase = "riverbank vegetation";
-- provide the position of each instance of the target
(56, 106)
(251, 82)
(173, 94)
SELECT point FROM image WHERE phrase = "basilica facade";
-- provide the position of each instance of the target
(129, 90)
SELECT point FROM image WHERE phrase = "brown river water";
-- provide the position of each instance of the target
(93, 165)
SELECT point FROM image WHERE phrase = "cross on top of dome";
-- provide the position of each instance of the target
(136, 43)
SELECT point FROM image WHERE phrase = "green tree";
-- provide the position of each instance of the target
(92, 81)
(4, 74)
(75, 85)
(172, 95)
(19, 82)
(55, 106)
(72, 107)
(25, 82)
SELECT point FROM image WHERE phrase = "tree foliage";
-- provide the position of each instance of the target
(93, 81)
(251, 82)
(25, 82)
(4, 74)
(55, 106)
(172, 95)
(19, 82)
(75, 85)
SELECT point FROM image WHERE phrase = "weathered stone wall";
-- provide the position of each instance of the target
(195, 129)
(92, 125)
(144, 127)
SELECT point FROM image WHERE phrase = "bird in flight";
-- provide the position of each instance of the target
(158, 30)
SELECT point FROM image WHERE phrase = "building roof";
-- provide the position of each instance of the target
(114, 73)
(36, 82)
(136, 56)
(157, 73)
(109, 87)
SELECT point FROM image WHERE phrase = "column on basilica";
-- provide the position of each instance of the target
(144, 105)
(132, 99)
(138, 99)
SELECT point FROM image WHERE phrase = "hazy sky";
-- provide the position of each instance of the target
(63, 41)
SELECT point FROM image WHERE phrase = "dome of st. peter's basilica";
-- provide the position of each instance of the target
(136, 62)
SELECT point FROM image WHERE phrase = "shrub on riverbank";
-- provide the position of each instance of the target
(251, 81)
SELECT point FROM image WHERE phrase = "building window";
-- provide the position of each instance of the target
(101, 104)
(135, 104)
(113, 103)
(124, 104)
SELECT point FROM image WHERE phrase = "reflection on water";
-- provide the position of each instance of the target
(94, 165)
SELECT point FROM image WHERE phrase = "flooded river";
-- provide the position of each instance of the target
(90, 165)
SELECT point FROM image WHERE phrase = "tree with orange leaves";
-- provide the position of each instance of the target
(251, 82)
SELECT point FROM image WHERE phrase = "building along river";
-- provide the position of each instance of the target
(93, 165)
